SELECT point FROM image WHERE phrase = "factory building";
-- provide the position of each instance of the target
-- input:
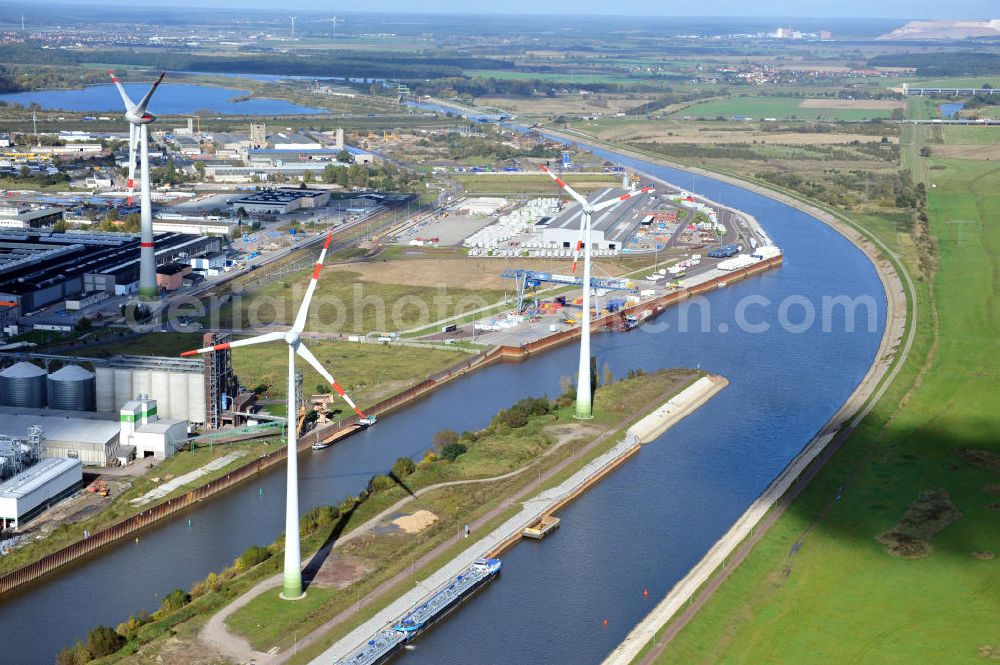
(26, 217)
(610, 228)
(170, 276)
(91, 438)
(38, 269)
(178, 384)
(145, 433)
(281, 201)
(32, 490)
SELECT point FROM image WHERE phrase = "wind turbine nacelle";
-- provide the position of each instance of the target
(137, 119)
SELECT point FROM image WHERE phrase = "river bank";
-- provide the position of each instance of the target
(893, 349)
(545, 503)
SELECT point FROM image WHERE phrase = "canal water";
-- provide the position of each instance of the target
(171, 99)
(642, 527)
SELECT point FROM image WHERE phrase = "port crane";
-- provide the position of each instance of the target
(532, 279)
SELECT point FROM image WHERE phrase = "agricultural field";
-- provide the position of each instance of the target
(562, 104)
(893, 548)
(347, 303)
(539, 185)
(793, 107)
(675, 131)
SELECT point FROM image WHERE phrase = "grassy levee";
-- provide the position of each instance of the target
(396, 557)
(819, 587)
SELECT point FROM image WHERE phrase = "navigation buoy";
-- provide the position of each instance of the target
(189, 522)
(605, 622)
(260, 491)
(645, 593)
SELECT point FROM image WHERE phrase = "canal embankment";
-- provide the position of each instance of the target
(130, 526)
(533, 509)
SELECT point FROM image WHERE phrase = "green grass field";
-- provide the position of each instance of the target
(343, 303)
(842, 597)
(958, 82)
(369, 372)
(776, 107)
(970, 134)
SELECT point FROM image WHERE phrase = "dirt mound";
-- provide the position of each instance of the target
(984, 459)
(416, 522)
(930, 513)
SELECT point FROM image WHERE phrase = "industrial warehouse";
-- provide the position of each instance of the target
(38, 269)
(123, 408)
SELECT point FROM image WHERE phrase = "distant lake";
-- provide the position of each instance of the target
(170, 99)
(949, 110)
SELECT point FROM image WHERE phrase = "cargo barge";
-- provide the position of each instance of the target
(389, 641)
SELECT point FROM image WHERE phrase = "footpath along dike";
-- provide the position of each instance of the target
(131, 525)
(545, 503)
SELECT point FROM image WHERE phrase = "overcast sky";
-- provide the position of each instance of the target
(741, 8)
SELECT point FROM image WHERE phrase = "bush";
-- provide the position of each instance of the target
(175, 600)
(74, 655)
(379, 483)
(255, 554)
(103, 641)
(471, 437)
(514, 418)
(451, 451)
(403, 467)
(444, 437)
(128, 629)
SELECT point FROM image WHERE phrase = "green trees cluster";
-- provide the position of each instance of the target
(465, 147)
(382, 177)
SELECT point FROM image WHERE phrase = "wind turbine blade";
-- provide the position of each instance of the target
(618, 199)
(569, 190)
(307, 355)
(125, 98)
(259, 339)
(145, 100)
(300, 318)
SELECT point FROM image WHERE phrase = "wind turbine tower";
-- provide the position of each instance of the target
(292, 584)
(139, 119)
(584, 392)
(293, 25)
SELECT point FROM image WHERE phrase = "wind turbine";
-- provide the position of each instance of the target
(584, 396)
(138, 119)
(293, 25)
(292, 586)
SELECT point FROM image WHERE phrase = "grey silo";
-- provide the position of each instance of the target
(72, 388)
(23, 385)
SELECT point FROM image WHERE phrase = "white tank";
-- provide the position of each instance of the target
(177, 408)
(123, 387)
(159, 389)
(105, 391)
(196, 398)
(141, 383)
